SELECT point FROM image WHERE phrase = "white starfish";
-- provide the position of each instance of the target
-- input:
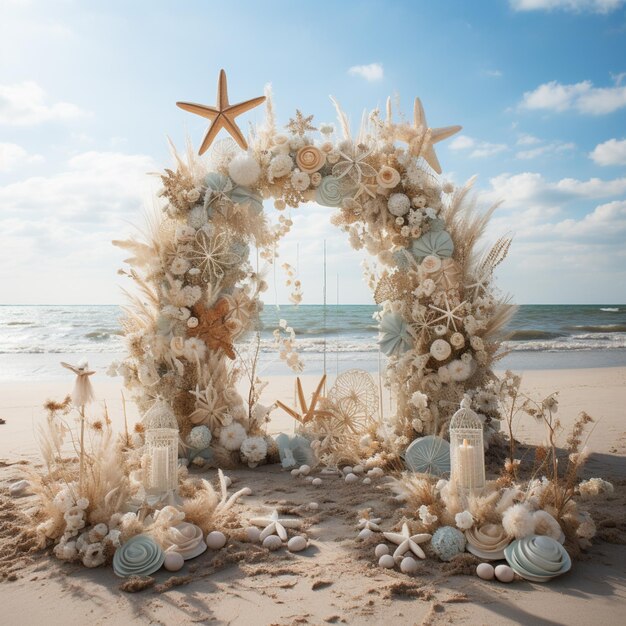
(481, 283)
(448, 313)
(273, 525)
(371, 523)
(407, 542)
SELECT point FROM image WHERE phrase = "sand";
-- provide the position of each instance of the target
(336, 579)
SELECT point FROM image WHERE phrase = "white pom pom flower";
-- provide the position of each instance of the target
(232, 436)
(244, 170)
(518, 521)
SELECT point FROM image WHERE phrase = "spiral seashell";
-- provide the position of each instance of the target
(329, 192)
(139, 556)
(440, 349)
(310, 159)
(537, 558)
(186, 539)
(487, 541)
(388, 177)
(438, 243)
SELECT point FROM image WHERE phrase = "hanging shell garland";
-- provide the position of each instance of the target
(395, 338)
(487, 541)
(139, 556)
(186, 539)
(438, 243)
(537, 558)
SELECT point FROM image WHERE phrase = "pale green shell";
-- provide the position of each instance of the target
(139, 556)
(438, 243)
(395, 338)
(329, 192)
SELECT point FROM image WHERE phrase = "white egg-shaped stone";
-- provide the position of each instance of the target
(317, 482)
(375, 472)
(386, 561)
(313, 506)
(367, 480)
(272, 542)
(347, 470)
(485, 571)
(228, 480)
(358, 469)
(19, 488)
(173, 561)
(381, 549)
(216, 540)
(295, 472)
(309, 479)
(366, 533)
(408, 565)
(297, 544)
(305, 469)
(504, 573)
(351, 478)
(253, 534)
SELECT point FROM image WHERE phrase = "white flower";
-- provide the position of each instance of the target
(518, 521)
(280, 166)
(388, 177)
(254, 450)
(300, 180)
(426, 517)
(594, 487)
(195, 349)
(399, 221)
(177, 346)
(464, 520)
(430, 264)
(197, 217)
(398, 204)
(232, 436)
(419, 201)
(415, 218)
(477, 343)
(179, 266)
(459, 370)
(443, 373)
(457, 340)
(192, 195)
(192, 322)
(63, 500)
(327, 129)
(191, 294)
(419, 400)
(244, 170)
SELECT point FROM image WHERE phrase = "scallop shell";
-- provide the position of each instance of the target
(429, 455)
(537, 558)
(449, 274)
(186, 539)
(438, 243)
(395, 338)
(440, 349)
(139, 556)
(487, 541)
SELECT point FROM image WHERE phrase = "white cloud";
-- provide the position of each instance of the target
(575, 6)
(12, 155)
(371, 72)
(582, 97)
(553, 147)
(611, 152)
(478, 149)
(493, 73)
(26, 104)
(527, 140)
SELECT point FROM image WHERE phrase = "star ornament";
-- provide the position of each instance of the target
(436, 135)
(370, 523)
(274, 525)
(407, 542)
(308, 411)
(222, 115)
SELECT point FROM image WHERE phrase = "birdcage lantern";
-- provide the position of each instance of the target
(161, 450)
(467, 452)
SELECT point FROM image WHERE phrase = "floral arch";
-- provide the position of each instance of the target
(199, 276)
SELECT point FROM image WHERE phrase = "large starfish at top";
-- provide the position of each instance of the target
(436, 135)
(222, 115)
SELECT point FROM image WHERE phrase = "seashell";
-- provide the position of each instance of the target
(487, 541)
(395, 338)
(347, 470)
(351, 478)
(297, 544)
(367, 480)
(186, 539)
(19, 488)
(504, 573)
(139, 556)
(449, 274)
(408, 565)
(485, 571)
(216, 540)
(386, 561)
(437, 243)
(305, 469)
(310, 159)
(388, 177)
(429, 455)
(173, 561)
(381, 549)
(537, 558)
(440, 349)
(253, 534)
(329, 192)
(272, 543)
(316, 482)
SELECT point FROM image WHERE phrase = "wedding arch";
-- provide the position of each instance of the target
(199, 287)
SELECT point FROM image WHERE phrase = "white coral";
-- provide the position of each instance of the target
(464, 520)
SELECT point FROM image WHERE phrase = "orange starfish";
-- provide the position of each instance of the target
(307, 412)
(214, 327)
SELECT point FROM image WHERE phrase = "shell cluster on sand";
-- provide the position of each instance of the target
(186, 539)
(139, 556)
(487, 541)
(537, 558)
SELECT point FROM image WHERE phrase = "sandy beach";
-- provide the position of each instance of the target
(336, 580)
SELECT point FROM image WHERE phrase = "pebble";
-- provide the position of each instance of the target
(309, 479)
(317, 482)
(313, 506)
(375, 472)
(351, 478)
(485, 571)
(295, 472)
(504, 573)
(272, 542)
(173, 561)
(381, 549)
(216, 540)
(228, 480)
(347, 470)
(305, 469)
(19, 488)
(297, 544)
(367, 481)
(358, 469)
(408, 565)
(366, 533)
(253, 533)
(386, 561)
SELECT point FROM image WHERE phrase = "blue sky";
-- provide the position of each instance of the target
(87, 92)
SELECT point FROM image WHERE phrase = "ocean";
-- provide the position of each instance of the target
(33, 339)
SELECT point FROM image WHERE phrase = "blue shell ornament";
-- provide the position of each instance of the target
(395, 338)
(438, 243)
(428, 455)
(139, 556)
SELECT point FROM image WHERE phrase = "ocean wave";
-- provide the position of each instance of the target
(610, 309)
(600, 328)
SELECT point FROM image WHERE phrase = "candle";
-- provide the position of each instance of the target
(159, 469)
(466, 465)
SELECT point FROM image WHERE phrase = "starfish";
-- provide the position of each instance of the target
(354, 164)
(365, 189)
(273, 525)
(480, 283)
(213, 327)
(301, 124)
(371, 523)
(307, 412)
(448, 313)
(407, 542)
(222, 115)
(436, 135)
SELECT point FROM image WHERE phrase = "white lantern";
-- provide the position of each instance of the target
(161, 450)
(467, 452)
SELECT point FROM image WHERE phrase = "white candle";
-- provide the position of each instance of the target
(467, 465)
(159, 469)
